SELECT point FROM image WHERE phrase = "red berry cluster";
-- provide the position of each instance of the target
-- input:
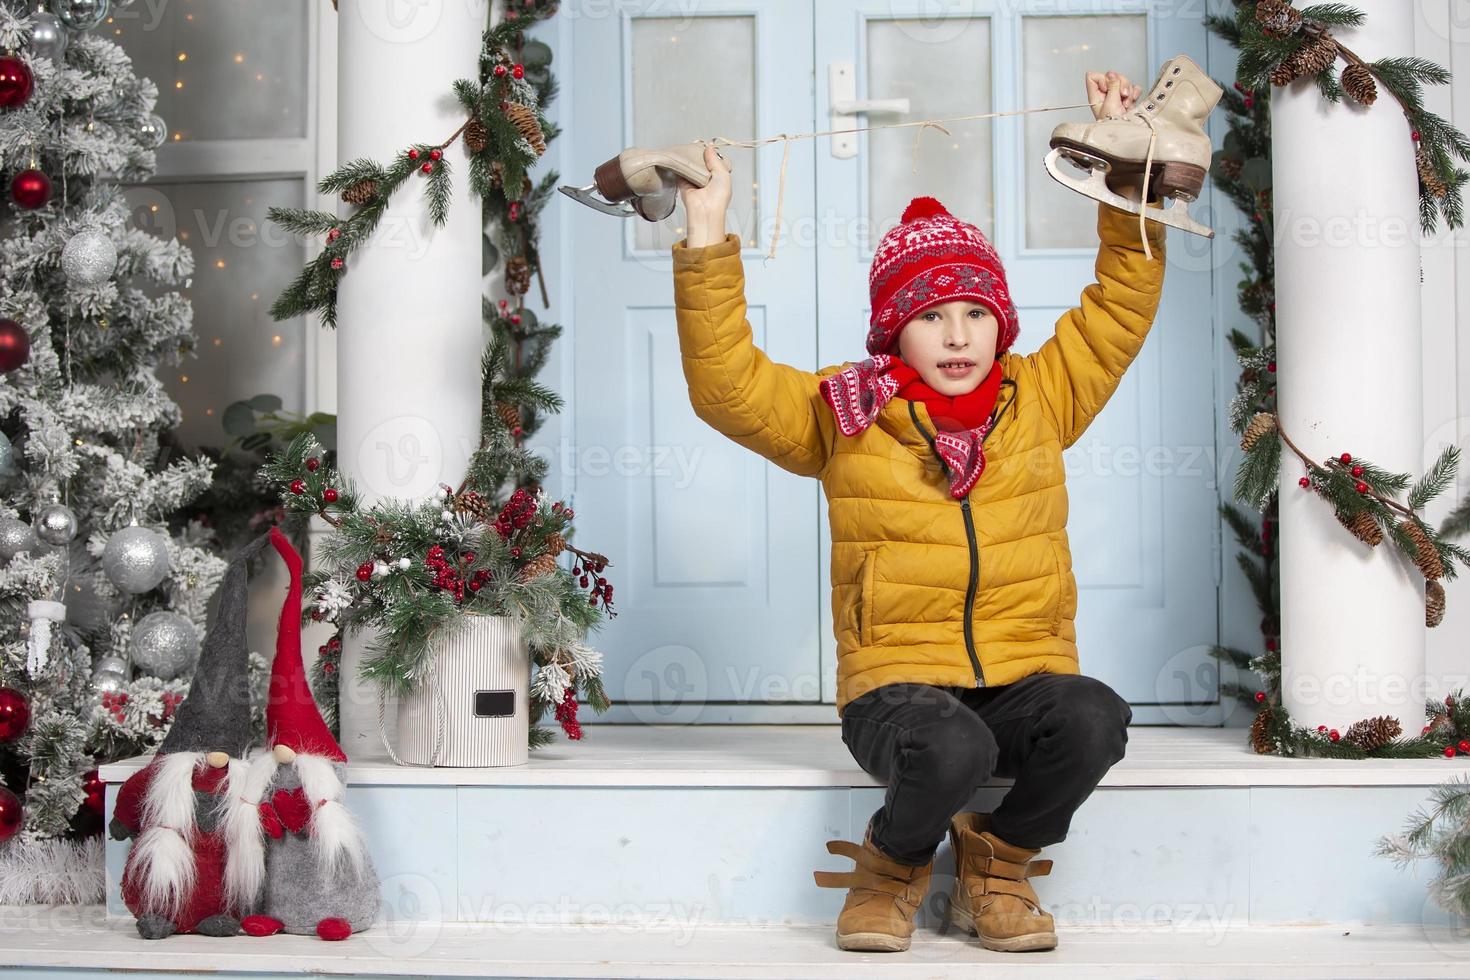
(516, 71)
(330, 653)
(566, 713)
(518, 512)
(95, 789)
(115, 702)
(428, 165)
(449, 577)
(1331, 733)
(171, 701)
(602, 589)
(1250, 98)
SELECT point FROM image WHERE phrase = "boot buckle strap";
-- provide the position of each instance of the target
(1000, 868)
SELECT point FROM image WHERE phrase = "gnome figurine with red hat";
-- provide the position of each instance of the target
(318, 876)
(176, 878)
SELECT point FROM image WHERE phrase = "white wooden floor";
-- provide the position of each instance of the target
(57, 942)
(814, 755)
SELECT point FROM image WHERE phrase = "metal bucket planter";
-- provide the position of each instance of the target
(472, 709)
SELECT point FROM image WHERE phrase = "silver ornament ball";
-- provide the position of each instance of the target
(7, 456)
(153, 132)
(16, 536)
(108, 682)
(48, 37)
(88, 257)
(81, 15)
(111, 665)
(164, 644)
(135, 559)
(56, 524)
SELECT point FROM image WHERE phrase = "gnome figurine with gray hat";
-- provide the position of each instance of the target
(319, 877)
(176, 879)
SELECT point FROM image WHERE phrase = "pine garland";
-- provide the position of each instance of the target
(1438, 830)
(1279, 44)
(505, 121)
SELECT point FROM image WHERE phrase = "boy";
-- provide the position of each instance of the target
(957, 654)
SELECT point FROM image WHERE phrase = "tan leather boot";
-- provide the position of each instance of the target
(882, 896)
(991, 896)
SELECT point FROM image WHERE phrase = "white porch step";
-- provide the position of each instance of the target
(47, 942)
(722, 825)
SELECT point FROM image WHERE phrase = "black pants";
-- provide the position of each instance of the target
(1054, 734)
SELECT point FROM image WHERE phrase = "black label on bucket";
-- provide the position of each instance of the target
(495, 704)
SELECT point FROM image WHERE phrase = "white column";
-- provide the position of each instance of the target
(1348, 380)
(409, 333)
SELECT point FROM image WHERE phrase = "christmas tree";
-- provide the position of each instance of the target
(103, 581)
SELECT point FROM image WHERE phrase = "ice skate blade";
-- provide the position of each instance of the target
(588, 196)
(1095, 186)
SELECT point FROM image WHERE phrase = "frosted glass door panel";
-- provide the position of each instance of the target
(696, 77)
(1057, 53)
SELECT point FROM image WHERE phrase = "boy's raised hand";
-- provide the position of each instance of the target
(1110, 93)
(705, 207)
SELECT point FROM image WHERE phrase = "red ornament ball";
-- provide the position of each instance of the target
(515, 318)
(329, 668)
(15, 345)
(30, 189)
(1357, 471)
(499, 71)
(16, 82)
(1333, 735)
(1260, 696)
(1346, 458)
(365, 571)
(1304, 483)
(312, 464)
(413, 154)
(96, 791)
(427, 168)
(330, 495)
(1414, 136)
(1250, 103)
(15, 714)
(1360, 486)
(1271, 367)
(11, 814)
(435, 153)
(519, 71)
(1449, 751)
(298, 485)
(1321, 728)
(337, 262)
(333, 235)
(1464, 745)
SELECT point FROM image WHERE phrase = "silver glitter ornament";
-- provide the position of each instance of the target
(135, 559)
(16, 536)
(81, 15)
(88, 257)
(164, 644)
(153, 132)
(111, 665)
(7, 456)
(48, 37)
(56, 524)
(108, 682)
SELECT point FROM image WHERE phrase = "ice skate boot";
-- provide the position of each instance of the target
(642, 181)
(1160, 141)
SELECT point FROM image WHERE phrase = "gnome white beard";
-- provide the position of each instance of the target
(164, 855)
(244, 836)
(334, 830)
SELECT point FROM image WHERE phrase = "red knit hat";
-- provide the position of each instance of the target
(291, 715)
(933, 257)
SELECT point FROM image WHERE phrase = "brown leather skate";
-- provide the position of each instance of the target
(991, 896)
(883, 896)
(642, 181)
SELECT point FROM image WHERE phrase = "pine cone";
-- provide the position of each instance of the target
(1371, 734)
(1433, 603)
(475, 135)
(1428, 558)
(1278, 18)
(1261, 731)
(518, 275)
(471, 502)
(1358, 82)
(523, 117)
(1428, 176)
(537, 567)
(361, 192)
(509, 414)
(1309, 59)
(555, 544)
(1363, 526)
(1260, 424)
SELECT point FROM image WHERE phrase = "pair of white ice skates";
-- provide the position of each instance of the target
(1162, 136)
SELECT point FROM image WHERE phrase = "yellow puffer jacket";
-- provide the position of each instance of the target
(926, 588)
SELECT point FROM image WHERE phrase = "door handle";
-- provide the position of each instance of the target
(845, 107)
